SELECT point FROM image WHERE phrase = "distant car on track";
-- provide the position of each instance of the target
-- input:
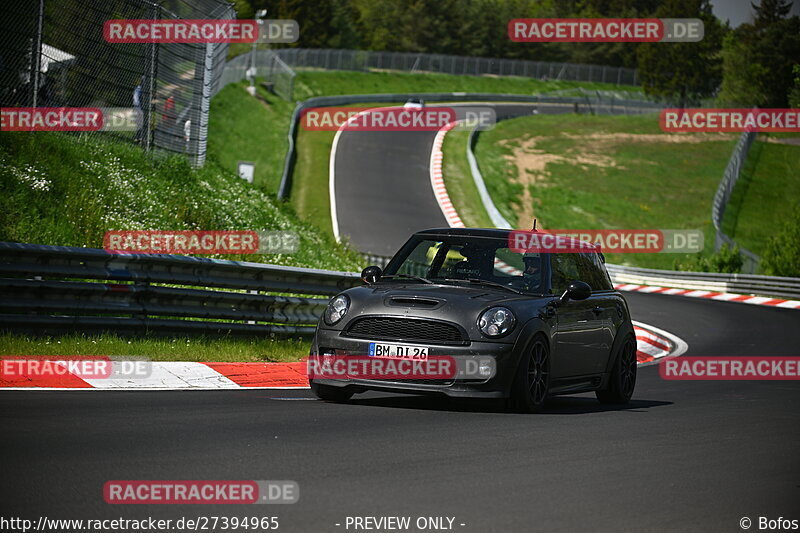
(415, 103)
(551, 323)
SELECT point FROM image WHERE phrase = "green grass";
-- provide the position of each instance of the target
(625, 184)
(68, 190)
(310, 83)
(765, 195)
(244, 128)
(194, 349)
(310, 196)
(458, 179)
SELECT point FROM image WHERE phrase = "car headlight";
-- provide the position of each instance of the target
(336, 309)
(496, 322)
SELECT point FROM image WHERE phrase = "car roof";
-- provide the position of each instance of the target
(466, 232)
(497, 233)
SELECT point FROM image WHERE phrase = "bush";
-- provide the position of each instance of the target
(725, 261)
(782, 256)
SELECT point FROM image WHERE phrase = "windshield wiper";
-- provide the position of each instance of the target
(486, 282)
(406, 276)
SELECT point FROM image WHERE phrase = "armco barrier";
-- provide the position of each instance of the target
(59, 289)
(45, 290)
(706, 281)
(723, 195)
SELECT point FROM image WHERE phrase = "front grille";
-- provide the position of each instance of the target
(405, 329)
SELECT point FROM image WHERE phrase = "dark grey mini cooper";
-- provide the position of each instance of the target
(550, 323)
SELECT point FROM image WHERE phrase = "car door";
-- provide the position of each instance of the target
(605, 306)
(580, 336)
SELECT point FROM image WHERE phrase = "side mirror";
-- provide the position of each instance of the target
(576, 290)
(372, 274)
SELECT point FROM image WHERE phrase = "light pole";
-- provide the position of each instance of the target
(260, 14)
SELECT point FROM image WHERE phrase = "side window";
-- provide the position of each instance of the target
(564, 270)
(604, 281)
(582, 267)
(589, 272)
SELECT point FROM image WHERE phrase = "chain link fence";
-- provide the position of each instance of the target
(723, 196)
(53, 54)
(268, 65)
(360, 60)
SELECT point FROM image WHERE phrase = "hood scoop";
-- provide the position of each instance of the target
(419, 302)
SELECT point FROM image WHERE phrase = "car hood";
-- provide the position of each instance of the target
(452, 303)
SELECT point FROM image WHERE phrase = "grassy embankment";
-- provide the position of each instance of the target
(601, 172)
(767, 193)
(68, 190)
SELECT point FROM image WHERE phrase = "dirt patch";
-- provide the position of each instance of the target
(531, 162)
(692, 138)
(794, 141)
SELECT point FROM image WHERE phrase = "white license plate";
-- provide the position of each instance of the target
(401, 351)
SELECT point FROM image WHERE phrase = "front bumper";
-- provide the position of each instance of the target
(497, 386)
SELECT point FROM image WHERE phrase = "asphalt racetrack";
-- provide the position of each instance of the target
(682, 456)
(383, 187)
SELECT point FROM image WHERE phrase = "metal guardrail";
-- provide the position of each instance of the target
(496, 217)
(50, 289)
(734, 283)
(58, 289)
(723, 196)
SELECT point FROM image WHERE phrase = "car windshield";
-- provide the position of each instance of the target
(471, 259)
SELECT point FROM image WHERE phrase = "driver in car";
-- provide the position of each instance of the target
(532, 275)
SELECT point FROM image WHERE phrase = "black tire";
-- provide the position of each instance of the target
(330, 394)
(622, 380)
(532, 380)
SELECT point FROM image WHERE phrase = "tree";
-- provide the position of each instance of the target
(743, 77)
(685, 70)
(782, 256)
(794, 94)
(344, 26)
(770, 11)
(758, 65)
